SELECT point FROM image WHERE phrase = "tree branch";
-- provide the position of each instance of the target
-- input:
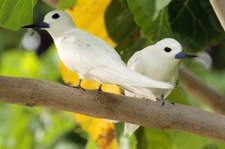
(204, 93)
(30, 92)
(218, 6)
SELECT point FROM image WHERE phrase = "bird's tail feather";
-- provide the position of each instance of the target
(125, 76)
(140, 92)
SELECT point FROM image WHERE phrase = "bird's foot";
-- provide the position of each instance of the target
(163, 100)
(77, 86)
(100, 89)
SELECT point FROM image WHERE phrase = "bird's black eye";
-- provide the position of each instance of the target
(167, 49)
(55, 16)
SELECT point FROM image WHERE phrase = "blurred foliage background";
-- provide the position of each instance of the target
(128, 25)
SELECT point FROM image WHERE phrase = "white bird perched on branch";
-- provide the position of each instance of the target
(92, 58)
(159, 62)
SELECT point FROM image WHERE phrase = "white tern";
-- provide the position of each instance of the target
(92, 58)
(159, 62)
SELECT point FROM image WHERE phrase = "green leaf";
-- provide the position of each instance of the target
(142, 142)
(195, 23)
(121, 27)
(120, 21)
(158, 139)
(9, 39)
(149, 138)
(192, 140)
(16, 13)
(153, 7)
(152, 18)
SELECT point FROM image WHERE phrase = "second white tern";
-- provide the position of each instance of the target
(159, 62)
(92, 58)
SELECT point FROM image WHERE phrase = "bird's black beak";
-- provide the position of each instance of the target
(38, 25)
(182, 55)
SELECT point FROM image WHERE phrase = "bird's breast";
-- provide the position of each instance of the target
(72, 58)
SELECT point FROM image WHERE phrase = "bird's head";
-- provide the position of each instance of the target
(56, 22)
(170, 49)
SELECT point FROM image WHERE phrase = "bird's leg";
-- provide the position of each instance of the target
(78, 86)
(163, 100)
(100, 89)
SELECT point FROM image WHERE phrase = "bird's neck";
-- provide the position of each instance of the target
(58, 32)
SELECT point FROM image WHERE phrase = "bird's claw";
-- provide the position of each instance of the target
(100, 89)
(163, 100)
(77, 86)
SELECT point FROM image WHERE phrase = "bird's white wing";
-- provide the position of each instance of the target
(98, 45)
(135, 62)
(82, 52)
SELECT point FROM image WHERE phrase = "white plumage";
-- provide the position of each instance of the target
(92, 58)
(157, 62)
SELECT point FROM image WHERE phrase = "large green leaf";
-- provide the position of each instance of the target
(151, 16)
(142, 142)
(158, 139)
(161, 139)
(121, 27)
(120, 21)
(16, 13)
(195, 23)
(186, 140)
(153, 7)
